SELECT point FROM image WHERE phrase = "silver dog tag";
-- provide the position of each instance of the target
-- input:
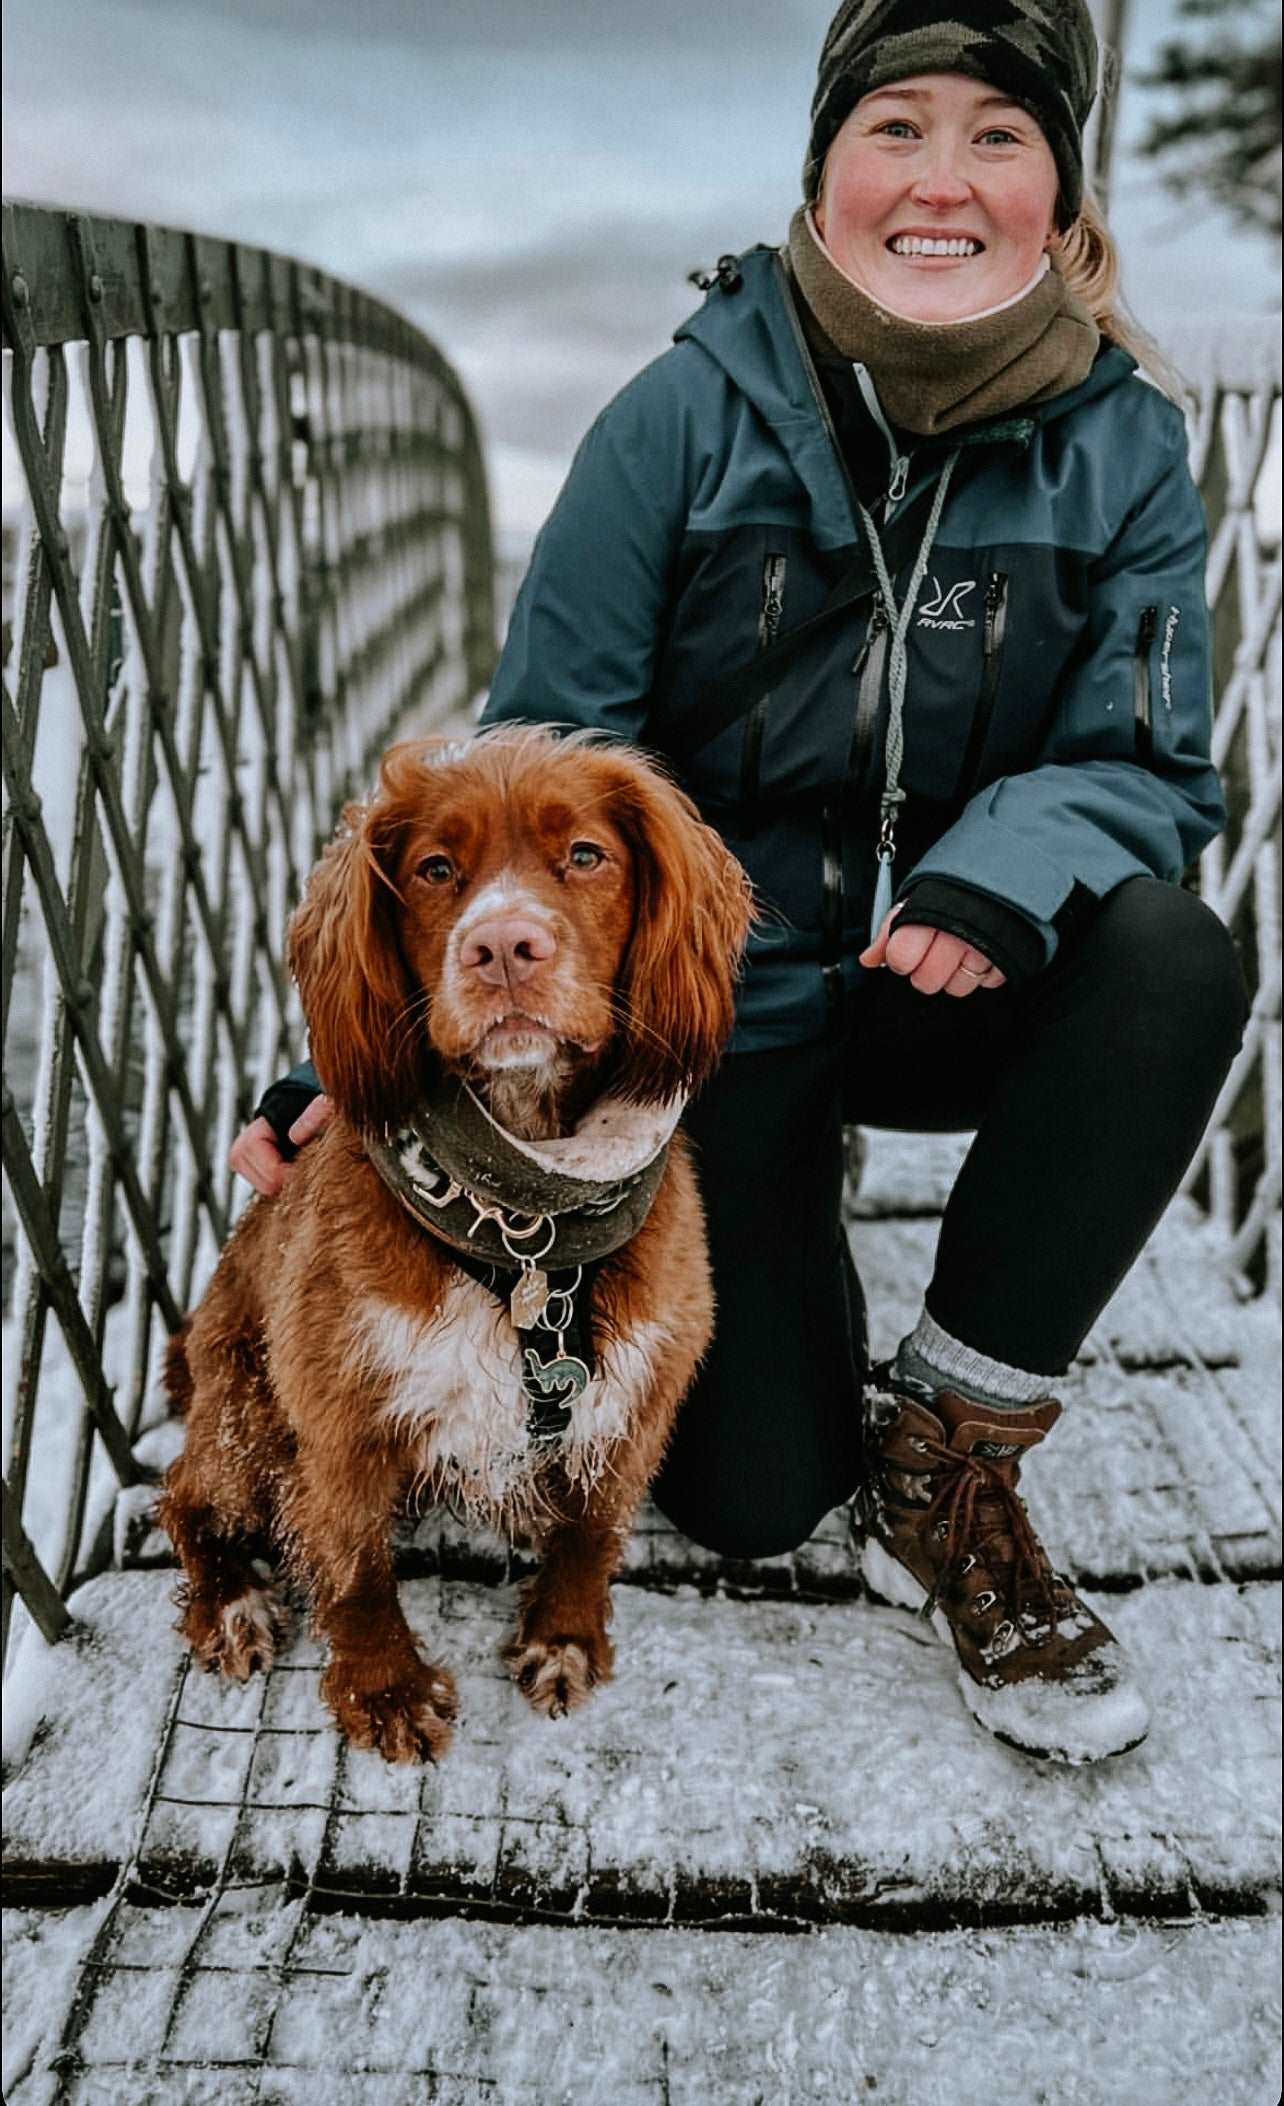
(529, 1298)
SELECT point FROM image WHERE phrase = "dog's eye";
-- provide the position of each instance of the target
(582, 855)
(436, 870)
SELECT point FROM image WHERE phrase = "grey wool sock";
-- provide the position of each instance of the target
(931, 1355)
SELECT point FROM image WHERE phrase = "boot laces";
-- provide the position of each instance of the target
(985, 1518)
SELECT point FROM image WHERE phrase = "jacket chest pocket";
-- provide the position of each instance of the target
(988, 655)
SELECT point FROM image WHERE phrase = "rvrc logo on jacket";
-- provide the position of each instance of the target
(942, 610)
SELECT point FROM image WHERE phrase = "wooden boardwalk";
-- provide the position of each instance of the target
(772, 1860)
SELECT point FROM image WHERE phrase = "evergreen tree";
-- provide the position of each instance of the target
(1223, 138)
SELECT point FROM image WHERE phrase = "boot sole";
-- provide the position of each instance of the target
(889, 1581)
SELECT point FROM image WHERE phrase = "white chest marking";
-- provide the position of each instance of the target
(457, 1392)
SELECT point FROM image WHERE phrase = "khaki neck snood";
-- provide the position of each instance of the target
(932, 376)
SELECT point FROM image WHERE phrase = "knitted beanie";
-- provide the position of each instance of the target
(1043, 53)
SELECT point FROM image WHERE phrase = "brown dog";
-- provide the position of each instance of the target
(486, 1283)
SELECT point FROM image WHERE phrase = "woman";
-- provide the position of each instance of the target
(897, 560)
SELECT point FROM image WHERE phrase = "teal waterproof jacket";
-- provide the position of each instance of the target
(1057, 717)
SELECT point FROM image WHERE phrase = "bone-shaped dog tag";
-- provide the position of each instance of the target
(529, 1297)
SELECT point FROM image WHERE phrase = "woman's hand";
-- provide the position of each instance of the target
(932, 958)
(255, 1156)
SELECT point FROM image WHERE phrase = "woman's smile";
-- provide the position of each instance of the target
(934, 250)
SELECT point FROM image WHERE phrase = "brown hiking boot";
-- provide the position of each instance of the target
(946, 1533)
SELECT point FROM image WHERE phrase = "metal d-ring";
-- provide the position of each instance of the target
(506, 1231)
(547, 1321)
(437, 1199)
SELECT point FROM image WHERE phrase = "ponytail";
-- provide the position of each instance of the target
(1086, 256)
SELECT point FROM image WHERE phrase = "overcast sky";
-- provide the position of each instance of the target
(530, 180)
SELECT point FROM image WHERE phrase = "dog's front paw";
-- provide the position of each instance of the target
(406, 1719)
(238, 1638)
(557, 1674)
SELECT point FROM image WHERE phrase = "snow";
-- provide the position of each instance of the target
(387, 2013)
(43, 1950)
(644, 1800)
(101, 1680)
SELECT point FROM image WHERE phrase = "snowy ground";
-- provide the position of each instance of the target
(394, 2014)
(773, 1860)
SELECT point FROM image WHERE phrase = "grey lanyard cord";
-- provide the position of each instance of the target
(900, 619)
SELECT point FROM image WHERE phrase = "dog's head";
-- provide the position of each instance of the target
(519, 902)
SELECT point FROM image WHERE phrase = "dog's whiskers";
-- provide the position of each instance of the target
(623, 1010)
(405, 1020)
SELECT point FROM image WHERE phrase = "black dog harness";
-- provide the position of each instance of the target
(532, 1221)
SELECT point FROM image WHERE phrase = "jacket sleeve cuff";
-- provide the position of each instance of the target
(1008, 938)
(283, 1101)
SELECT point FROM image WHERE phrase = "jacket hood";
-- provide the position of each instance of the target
(753, 333)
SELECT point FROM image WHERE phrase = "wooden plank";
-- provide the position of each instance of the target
(387, 2013)
(765, 1762)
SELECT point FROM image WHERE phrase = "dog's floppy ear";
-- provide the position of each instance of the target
(692, 917)
(342, 946)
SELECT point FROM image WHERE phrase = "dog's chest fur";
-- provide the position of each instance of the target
(457, 1397)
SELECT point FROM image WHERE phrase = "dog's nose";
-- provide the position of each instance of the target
(505, 950)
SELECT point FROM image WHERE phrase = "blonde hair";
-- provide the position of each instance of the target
(1086, 256)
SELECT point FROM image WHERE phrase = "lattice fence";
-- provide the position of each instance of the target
(253, 546)
(1235, 455)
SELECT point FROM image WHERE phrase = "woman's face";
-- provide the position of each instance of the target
(938, 157)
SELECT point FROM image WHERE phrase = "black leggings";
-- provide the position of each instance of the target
(1088, 1088)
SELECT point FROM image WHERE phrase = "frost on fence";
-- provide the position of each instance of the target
(1235, 456)
(248, 545)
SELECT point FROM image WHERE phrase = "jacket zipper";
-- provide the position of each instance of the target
(831, 925)
(868, 669)
(773, 601)
(868, 687)
(862, 730)
(1142, 727)
(993, 632)
(900, 467)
